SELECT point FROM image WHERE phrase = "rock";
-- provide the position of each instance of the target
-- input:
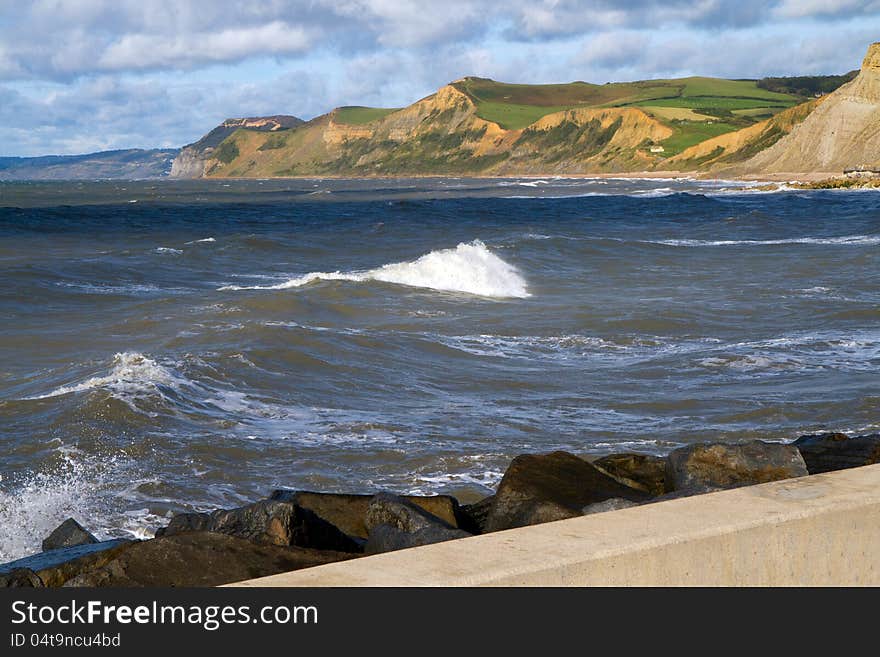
(387, 538)
(395, 523)
(825, 452)
(642, 471)
(690, 491)
(55, 567)
(201, 559)
(612, 504)
(730, 465)
(348, 512)
(68, 534)
(267, 522)
(20, 578)
(616, 503)
(544, 487)
(472, 517)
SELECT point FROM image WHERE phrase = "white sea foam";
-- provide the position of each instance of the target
(470, 268)
(133, 375)
(751, 363)
(846, 240)
(30, 510)
(83, 487)
(168, 250)
(202, 241)
(92, 288)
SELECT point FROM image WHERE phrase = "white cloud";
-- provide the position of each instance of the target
(149, 51)
(88, 74)
(805, 8)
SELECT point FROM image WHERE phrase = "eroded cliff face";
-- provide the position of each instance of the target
(725, 152)
(197, 159)
(585, 141)
(842, 132)
(189, 163)
(442, 134)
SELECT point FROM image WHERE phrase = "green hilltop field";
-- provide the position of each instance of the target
(717, 105)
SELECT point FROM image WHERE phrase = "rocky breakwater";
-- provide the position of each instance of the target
(298, 529)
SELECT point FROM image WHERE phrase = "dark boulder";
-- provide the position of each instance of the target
(825, 452)
(473, 517)
(68, 534)
(616, 503)
(394, 523)
(348, 512)
(725, 465)
(55, 567)
(611, 504)
(20, 578)
(201, 559)
(268, 522)
(642, 471)
(544, 487)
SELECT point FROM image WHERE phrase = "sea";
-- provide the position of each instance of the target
(191, 345)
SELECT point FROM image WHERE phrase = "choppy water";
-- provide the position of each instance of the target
(194, 344)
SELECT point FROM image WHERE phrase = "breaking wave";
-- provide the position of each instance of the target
(470, 268)
(77, 486)
(133, 375)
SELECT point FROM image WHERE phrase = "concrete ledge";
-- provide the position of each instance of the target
(819, 530)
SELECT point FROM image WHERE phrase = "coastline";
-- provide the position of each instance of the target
(294, 529)
(800, 178)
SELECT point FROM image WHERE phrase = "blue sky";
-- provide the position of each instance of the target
(85, 75)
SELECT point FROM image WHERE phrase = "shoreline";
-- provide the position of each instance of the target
(792, 178)
(296, 529)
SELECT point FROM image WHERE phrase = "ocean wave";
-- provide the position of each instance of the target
(571, 346)
(751, 363)
(167, 250)
(470, 268)
(30, 510)
(855, 351)
(132, 376)
(134, 289)
(85, 487)
(846, 240)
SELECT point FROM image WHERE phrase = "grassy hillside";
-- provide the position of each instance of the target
(356, 115)
(696, 108)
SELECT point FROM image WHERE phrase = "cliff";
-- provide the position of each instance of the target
(843, 132)
(192, 161)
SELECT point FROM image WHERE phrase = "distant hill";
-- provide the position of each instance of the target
(477, 126)
(133, 163)
(807, 85)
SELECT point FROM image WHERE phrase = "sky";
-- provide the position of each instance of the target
(79, 76)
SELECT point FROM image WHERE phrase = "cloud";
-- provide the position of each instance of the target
(628, 55)
(54, 40)
(89, 74)
(825, 8)
(155, 51)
